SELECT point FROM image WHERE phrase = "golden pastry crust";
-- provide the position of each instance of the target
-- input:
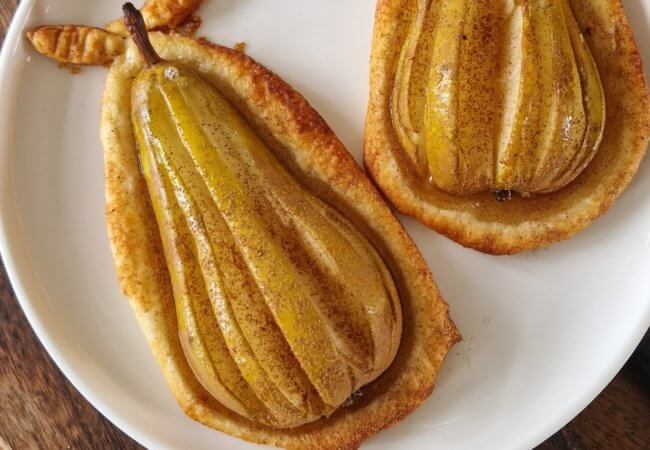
(80, 44)
(478, 221)
(307, 146)
(76, 44)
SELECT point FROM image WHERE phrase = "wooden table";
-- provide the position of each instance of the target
(39, 408)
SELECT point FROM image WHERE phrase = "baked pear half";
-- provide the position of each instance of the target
(282, 299)
(505, 125)
(304, 145)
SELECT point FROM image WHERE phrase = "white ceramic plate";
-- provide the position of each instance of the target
(544, 332)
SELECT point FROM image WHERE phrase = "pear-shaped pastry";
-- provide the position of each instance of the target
(283, 301)
(475, 102)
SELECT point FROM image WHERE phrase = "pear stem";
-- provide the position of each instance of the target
(138, 31)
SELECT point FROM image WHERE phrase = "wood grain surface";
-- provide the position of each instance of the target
(40, 409)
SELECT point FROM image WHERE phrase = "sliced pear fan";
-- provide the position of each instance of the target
(513, 96)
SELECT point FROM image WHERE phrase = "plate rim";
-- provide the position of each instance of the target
(7, 253)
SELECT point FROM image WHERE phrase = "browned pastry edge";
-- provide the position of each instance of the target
(302, 140)
(479, 221)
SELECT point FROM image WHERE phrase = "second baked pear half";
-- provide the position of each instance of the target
(506, 125)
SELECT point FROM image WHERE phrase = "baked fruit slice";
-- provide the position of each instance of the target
(505, 126)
